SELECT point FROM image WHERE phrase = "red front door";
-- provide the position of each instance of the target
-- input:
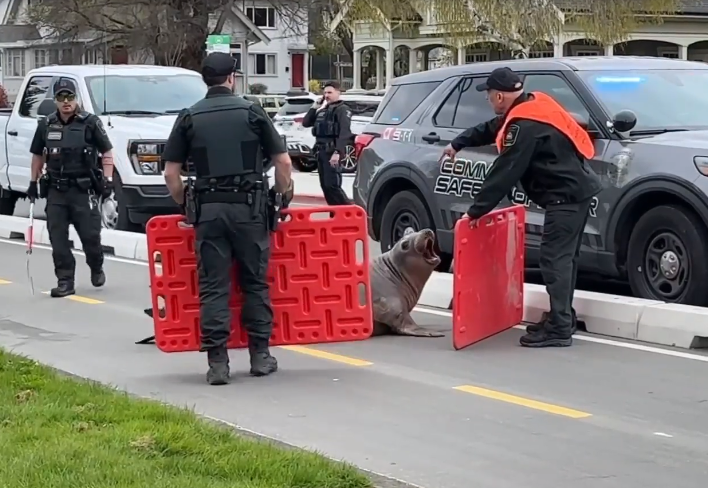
(297, 69)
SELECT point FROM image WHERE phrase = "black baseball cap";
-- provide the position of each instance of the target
(65, 85)
(218, 64)
(503, 80)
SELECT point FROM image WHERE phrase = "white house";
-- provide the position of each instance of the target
(682, 36)
(275, 45)
(277, 49)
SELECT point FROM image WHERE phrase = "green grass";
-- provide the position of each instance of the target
(57, 432)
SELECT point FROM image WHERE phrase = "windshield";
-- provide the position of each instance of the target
(294, 106)
(362, 108)
(145, 94)
(661, 99)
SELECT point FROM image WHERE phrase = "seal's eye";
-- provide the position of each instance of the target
(405, 245)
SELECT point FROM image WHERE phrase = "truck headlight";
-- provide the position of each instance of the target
(145, 157)
(701, 163)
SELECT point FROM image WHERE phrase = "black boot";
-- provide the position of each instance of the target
(219, 372)
(64, 289)
(533, 328)
(548, 336)
(262, 363)
(98, 278)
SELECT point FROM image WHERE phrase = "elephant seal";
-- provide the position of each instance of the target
(397, 280)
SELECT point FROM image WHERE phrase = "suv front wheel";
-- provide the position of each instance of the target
(407, 210)
(667, 257)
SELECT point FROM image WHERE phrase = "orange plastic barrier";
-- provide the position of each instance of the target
(488, 285)
(319, 283)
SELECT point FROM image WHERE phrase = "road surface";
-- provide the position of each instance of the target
(600, 414)
(588, 283)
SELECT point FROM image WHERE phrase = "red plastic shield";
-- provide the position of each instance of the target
(488, 284)
(319, 280)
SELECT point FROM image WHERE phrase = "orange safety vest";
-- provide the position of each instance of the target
(543, 108)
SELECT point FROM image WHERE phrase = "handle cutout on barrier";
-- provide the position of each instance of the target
(359, 246)
(362, 295)
(322, 215)
(286, 217)
(161, 307)
(156, 263)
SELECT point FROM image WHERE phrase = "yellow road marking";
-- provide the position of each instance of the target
(524, 402)
(5, 282)
(80, 299)
(328, 355)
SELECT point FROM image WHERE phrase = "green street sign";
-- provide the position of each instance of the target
(218, 43)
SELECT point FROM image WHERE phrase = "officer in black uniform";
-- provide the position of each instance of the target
(70, 140)
(330, 120)
(555, 175)
(227, 139)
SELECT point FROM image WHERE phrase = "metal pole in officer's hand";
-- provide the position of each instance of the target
(30, 239)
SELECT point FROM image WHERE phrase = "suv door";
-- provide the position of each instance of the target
(557, 86)
(456, 182)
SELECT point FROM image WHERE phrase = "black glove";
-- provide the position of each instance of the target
(107, 188)
(33, 191)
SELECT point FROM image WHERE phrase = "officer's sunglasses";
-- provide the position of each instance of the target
(65, 97)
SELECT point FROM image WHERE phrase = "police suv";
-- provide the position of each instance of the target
(648, 118)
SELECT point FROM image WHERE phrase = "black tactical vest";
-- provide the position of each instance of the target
(222, 143)
(69, 153)
(326, 126)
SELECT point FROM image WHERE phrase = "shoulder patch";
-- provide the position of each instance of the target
(99, 126)
(512, 133)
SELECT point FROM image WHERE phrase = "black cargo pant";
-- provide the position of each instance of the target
(563, 229)
(73, 207)
(228, 233)
(330, 178)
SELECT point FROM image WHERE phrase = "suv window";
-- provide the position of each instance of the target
(362, 108)
(465, 107)
(558, 88)
(403, 101)
(294, 106)
(38, 89)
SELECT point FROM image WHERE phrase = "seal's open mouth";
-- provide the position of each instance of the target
(429, 253)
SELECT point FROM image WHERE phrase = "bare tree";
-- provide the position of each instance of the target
(174, 31)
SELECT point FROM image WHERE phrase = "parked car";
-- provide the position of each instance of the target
(650, 223)
(300, 139)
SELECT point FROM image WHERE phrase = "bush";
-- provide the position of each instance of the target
(258, 89)
(314, 86)
(4, 102)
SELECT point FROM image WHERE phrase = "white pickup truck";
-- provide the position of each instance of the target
(138, 106)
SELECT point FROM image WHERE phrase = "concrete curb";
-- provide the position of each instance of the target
(637, 319)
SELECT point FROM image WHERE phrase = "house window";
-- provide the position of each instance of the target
(263, 17)
(476, 57)
(41, 58)
(15, 62)
(262, 64)
(541, 54)
(587, 52)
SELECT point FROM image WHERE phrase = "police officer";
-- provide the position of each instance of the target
(70, 140)
(227, 139)
(542, 147)
(330, 120)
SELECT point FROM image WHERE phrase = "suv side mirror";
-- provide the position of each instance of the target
(46, 108)
(624, 121)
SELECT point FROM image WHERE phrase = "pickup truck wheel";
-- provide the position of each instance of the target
(407, 210)
(8, 201)
(667, 257)
(115, 216)
(303, 164)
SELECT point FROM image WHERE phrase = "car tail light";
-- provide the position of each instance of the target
(360, 142)
(298, 120)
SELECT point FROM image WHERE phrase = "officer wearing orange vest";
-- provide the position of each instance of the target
(542, 147)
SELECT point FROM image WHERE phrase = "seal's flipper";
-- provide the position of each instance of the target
(406, 326)
(147, 340)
